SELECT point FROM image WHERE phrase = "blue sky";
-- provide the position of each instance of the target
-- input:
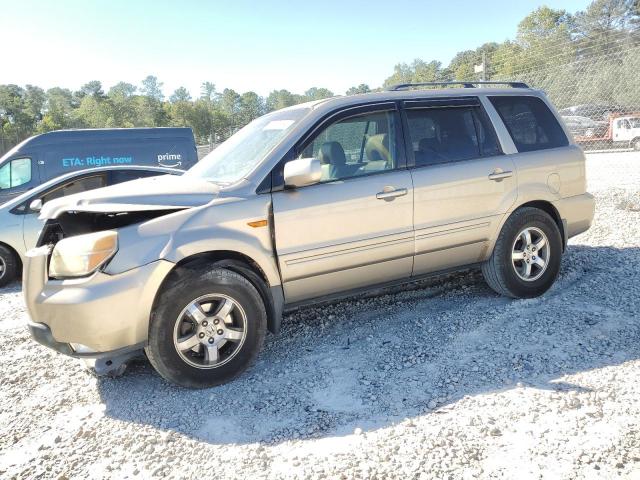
(245, 45)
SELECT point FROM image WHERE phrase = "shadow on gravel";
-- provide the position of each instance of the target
(369, 362)
(13, 287)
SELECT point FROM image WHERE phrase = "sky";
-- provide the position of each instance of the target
(244, 45)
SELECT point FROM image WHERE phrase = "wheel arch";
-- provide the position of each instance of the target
(272, 295)
(543, 205)
(549, 208)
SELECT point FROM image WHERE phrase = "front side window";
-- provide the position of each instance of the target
(355, 146)
(530, 123)
(76, 186)
(635, 122)
(15, 173)
(449, 134)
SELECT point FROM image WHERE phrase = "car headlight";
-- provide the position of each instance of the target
(79, 256)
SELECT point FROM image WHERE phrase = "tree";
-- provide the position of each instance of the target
(34, 100)
(93, 88)
(120, 107)
(181, 94)
(606, 24)
(418, 71)
(315, 93)
(362, 88)
(251, 107)
(208, 91)
(149, 105)
(122, 89)
(278, 99)
(14, 122)
(59, 109)
(91, 113)
(152, 88)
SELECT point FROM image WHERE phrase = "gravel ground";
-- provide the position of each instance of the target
(441, 379)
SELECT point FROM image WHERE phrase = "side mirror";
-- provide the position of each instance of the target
(36, 205)
(302, 172)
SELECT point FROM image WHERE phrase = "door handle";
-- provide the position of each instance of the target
(386, 194)
(497, 176)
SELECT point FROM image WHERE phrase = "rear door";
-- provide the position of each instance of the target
(463, 184)
(355, 227)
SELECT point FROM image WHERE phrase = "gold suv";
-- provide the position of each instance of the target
(302, 205)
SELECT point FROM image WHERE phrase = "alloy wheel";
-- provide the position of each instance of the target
(210, 331)
(530, 254)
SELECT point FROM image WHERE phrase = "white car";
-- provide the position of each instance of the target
(19, 223)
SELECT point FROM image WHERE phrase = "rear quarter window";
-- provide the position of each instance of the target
(530, 123)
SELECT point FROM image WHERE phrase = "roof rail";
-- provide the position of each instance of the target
(468, 84)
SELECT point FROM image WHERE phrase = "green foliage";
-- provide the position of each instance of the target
(362, 88)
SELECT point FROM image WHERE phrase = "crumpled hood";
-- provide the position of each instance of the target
(167, 192)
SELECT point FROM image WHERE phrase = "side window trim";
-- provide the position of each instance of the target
(447, 102)
(507, 145)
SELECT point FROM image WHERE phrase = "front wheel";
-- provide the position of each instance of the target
(526, 258)
(8, 266)
(207, 328)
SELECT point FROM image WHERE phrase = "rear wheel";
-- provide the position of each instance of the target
(207, 328)
(526, 258)
(8, 266)
(635, 143)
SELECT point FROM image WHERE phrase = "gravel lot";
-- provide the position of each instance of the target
(441, 379)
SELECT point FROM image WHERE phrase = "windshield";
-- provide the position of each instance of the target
(635, 122)
(238, 155)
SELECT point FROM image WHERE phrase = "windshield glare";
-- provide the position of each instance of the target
(238, 155)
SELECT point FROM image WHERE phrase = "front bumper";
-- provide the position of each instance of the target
(93, 316)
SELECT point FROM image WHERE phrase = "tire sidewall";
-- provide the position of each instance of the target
(538, 219)
(10, 266)
(161, 349)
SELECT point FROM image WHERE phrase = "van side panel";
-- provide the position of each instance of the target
(165, 152)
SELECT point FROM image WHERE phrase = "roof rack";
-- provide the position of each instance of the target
(468, 84)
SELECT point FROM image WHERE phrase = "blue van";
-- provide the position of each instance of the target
(47, 156)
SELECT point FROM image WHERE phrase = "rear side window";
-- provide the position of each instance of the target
(76, 186)
(531, 124)
(120, 176)
(443, 135)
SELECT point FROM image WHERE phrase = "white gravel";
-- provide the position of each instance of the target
(443, 379)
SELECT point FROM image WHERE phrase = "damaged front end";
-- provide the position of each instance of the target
(73, 223)
(90, 283)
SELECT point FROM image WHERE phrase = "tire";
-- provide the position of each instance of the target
(508, 276)
(188, 308)
(635, 143)
(8, 266)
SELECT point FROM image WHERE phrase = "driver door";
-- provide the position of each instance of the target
(354, 228)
